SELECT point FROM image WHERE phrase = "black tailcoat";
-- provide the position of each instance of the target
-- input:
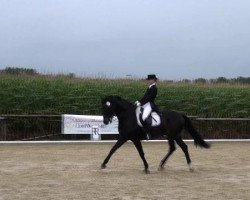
(149, 95)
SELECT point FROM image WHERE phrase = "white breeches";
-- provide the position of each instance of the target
(146, 111)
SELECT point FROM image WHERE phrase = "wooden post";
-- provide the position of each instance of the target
(3, 128)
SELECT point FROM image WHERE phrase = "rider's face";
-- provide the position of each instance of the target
(151, 81)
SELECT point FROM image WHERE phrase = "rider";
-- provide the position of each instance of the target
(147, 103)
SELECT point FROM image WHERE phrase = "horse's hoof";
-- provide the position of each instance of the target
(191, 169)
(103, 166)
(161, 168)
(146, 171)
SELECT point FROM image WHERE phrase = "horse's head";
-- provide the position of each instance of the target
(113, 105)
(108, 109)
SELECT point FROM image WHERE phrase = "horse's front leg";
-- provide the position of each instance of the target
(139, 148)
(117, 145)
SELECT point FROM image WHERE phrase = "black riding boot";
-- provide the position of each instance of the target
(147, 127)
(147, 131)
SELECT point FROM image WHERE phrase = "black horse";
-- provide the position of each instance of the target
(172, 125)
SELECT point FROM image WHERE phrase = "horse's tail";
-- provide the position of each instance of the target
(198, 140)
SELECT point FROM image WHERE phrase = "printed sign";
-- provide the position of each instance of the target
(95, 133)
(87, 124)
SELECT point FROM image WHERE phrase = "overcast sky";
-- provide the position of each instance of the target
(174, 39)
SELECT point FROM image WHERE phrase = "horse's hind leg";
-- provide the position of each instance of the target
(184, 148)
(171, 150)
(117, 145)
(139, 148)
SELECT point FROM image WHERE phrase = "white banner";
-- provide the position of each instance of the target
(87, 124)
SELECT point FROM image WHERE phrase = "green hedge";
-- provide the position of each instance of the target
(61, 94)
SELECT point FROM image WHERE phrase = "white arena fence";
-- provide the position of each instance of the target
(89, 127)
(114, 141)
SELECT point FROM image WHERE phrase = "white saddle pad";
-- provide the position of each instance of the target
(156, 120)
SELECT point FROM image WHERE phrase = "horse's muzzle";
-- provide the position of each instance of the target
(106, 120)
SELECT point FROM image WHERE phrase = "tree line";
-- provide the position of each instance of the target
(219, 80)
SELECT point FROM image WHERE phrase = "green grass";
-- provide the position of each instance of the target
(58, 95)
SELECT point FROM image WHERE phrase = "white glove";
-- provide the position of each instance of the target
(137, 103)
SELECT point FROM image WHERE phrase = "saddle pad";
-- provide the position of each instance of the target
(156, 119)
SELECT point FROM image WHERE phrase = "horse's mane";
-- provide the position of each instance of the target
(124, 103)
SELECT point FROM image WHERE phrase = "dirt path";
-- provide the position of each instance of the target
(72, 171)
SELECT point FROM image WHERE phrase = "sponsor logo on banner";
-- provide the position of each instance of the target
(87, 124)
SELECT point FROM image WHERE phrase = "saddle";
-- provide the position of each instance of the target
(156, 118)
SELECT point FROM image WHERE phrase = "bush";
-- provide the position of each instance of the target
(19, 71)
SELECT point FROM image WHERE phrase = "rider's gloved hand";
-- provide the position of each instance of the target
(137, 103)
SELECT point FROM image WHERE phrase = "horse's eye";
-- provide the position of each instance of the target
(108, 103)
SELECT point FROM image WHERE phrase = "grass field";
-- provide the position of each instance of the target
(72, 171)
(57, 95)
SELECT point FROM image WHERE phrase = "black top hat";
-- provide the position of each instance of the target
(152, 76)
